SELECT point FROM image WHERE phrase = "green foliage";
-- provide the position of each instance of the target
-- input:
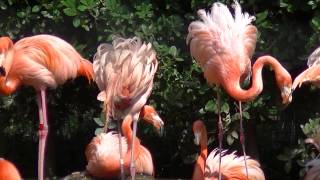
(288, 30)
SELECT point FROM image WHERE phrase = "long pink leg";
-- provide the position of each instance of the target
(132, 162)
(120, 149)
(242, 140)
(43, 131)
(220, 130)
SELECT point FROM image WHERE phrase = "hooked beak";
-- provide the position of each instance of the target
(197, 138)
(2, 71)
(159, 124)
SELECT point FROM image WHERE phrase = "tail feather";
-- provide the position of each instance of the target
(86, 69)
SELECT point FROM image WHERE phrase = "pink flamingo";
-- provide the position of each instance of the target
(222, 44)
(8, 171)
(312, 74)
(39, 61)
(124, 72)
(232, 166)
(103, 154)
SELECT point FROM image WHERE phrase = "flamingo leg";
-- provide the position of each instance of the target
(242, 140)
(220, 130)
(120, 149)
(132, 162)
(43, 131)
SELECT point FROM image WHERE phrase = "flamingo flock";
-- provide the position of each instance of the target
(222, 42)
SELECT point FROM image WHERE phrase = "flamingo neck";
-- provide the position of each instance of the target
(198, 173)
(233, 87)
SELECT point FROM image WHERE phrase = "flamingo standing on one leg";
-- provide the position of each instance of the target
(223, 44)
(312, 74)
(8, 171)
(103, 154)
(232, 166)
(40, 61)
(124, 72)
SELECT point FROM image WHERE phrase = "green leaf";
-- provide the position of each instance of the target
(98, 121)
(235, 134)
(70, 12)
(35, 9)
(210, 106)
(82, 8)
(225, 108)
(98, 131)
(230, 140)
(76, 22)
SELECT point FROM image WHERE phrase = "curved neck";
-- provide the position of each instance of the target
(233, 85)
(199, 169)
(127, 132)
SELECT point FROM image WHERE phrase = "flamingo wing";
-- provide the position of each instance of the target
(220, 38)
(144, 162)
(232, 166)
(8, 170)
(312, 74)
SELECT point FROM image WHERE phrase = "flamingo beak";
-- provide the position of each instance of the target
(159, 124)
(2, 71)
(197, 138)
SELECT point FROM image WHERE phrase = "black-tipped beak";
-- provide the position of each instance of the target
(2, 71)
(161, 131)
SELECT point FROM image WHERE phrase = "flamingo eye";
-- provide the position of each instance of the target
(2, 71)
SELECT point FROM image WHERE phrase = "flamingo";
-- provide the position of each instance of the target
(312, 74)
(40, 61)
(231, 167)
(124, 72)
(8, 171)
(103, 155)
(222, 44)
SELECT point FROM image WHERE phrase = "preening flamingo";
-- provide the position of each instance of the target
(8, 171)
(312, 74)
(124, 72)
(222, 44)
(39, 61)
(103, 152)
(232, 166)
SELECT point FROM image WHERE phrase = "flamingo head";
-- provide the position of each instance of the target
(284, 82)
(5, 44)
(197, 128)
(150, 115)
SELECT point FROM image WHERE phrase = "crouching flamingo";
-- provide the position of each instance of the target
(103, 152)
(232, 166)
(8, 171)
(40, 61)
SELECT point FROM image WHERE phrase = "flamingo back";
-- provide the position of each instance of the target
(103, 155)
(124, 72)
(8, 171)
(312, 74)
(221, 39)
(232, 167)
(46, 61)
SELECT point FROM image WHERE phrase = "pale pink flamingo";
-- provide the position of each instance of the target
(124, 72)
(314, 172)
(312, 74)
(232, 166)
(103, 152)
(222, 44)
(39, 61)
(8, 170)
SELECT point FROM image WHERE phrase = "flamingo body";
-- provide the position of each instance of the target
(8, 171)
(223, 44)
(103, 152)
(39, 61)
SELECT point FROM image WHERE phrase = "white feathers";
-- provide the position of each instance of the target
(228, 32)
(230, 163)
(314, 57)
(124, 71)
